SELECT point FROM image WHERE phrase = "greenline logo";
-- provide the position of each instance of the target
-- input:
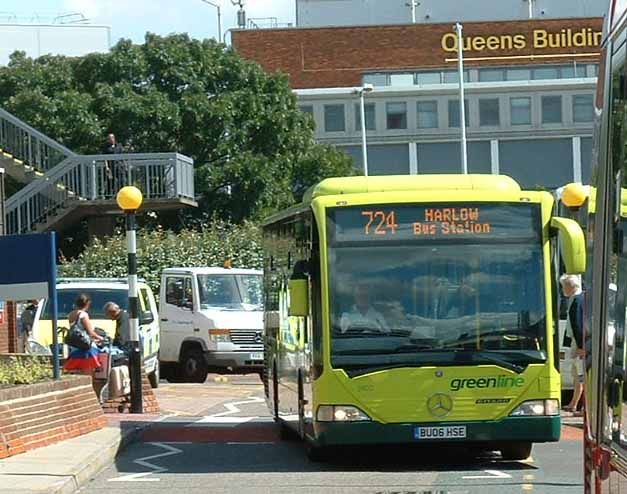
(487, 382)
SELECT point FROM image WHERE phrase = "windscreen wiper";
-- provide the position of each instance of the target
(501, 362)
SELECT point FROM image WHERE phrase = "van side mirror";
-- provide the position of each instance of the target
(572, 244)
(299, 297)
(188, 304)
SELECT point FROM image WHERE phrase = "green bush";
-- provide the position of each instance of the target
(212, 245)
(24, 371)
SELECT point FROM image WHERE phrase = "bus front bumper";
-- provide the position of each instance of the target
(514, 429)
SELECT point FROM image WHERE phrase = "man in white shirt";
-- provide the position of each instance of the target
(362, 315)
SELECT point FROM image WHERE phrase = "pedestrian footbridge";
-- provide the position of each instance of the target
(62, 187)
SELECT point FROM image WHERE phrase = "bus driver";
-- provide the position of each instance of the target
(363, 315)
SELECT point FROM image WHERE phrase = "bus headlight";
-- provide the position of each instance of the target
(537, 408)
(340, 413)
(220, 335)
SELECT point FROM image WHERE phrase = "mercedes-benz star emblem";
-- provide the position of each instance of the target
(258, 337)
(440, 405)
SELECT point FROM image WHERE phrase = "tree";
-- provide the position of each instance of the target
(254, 151)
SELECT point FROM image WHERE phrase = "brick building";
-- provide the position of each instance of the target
(529, 93)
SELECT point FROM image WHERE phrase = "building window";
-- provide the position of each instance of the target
(489, 112)
(428, 78)
(376, 79)
(453, 112)
(551, 109)
(334, 120)
(491, 75)
(452, 76)
(518, 74)
(520, 110)
(583, 109)
(396, 115)
(546, 73)
(427, 112)
(401, 79)
(369, 110)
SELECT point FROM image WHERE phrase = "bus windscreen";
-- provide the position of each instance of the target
(427, 300)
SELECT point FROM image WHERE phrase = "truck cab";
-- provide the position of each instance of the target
(211, 320)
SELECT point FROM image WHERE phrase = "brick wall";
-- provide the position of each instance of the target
(122, 405)
(40, 414)
(338, 56)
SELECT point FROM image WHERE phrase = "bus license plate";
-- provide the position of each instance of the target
(256, 356)
(442, 432)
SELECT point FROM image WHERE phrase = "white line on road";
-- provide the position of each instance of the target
(231, 408)
(141, 477)
(492, 474)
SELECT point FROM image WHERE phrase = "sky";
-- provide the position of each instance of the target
(132, 18)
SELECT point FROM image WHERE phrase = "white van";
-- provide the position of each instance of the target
(211, 319)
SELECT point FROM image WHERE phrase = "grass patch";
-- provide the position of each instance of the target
(23, 371)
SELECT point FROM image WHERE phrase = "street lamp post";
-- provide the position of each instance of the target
(366, 88)
(129, 199)
(462, 98)
(217, 6)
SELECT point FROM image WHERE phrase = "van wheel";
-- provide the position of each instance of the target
(193, 367)
(516, 451)
(155, 376)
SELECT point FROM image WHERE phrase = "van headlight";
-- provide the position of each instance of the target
(220, 335)
(340, 413)
(535, 408)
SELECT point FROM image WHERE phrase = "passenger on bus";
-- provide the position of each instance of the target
(363, 316)
(571, 287)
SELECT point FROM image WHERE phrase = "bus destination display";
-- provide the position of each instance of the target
(391, 222)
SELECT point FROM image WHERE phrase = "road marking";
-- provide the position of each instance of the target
(142, 476)
(231, 408)
(492, 474)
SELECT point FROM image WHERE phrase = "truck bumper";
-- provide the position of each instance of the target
(480, 433)
(235, 360)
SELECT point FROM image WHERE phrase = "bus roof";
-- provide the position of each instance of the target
(398, 183)
(405, 183)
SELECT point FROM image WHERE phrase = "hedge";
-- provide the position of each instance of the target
(212, 245)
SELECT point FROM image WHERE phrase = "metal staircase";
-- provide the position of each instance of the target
(63, 187)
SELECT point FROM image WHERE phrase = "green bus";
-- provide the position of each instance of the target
(416, 309)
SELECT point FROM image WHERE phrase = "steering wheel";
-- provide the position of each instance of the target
(364, 330)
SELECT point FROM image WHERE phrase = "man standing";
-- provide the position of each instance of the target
(571, 287)
(27, 319)
(122, 326)
(113, 170)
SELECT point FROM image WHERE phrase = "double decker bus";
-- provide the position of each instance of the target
(416, 309)
(606, 420)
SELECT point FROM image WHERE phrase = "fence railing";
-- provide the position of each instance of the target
(29, 145)
(98, 178)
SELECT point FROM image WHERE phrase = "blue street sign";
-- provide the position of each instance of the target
(28, 270)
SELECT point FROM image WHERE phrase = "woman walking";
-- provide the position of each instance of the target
(85, 361)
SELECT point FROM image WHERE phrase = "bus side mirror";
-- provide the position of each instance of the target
(572, 244)
(299, 297)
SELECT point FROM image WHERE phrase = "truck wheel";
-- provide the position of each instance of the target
(193, 367)
(155, 376)
(516, 451)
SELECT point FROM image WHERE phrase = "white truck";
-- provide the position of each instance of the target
(211, 320)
